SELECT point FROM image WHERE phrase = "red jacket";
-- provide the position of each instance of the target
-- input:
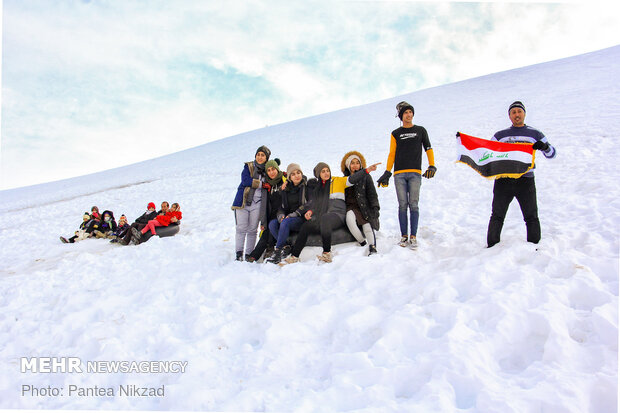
(164, 220)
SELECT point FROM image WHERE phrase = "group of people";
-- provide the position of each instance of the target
(282, 202)
(104, 225)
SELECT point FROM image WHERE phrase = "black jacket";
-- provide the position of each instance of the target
(298, 207)
(367, 200)
(146, 217)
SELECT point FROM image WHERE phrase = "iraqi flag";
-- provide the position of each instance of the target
(493, 159)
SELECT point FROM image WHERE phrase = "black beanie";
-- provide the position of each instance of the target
(402, 107)
(319, 167)
(516, 104)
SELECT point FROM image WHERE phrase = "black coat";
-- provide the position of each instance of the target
(146, 217)
(368, 201)
(302, 198)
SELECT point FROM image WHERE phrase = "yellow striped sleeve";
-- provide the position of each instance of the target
(392, 155)
(431, 157)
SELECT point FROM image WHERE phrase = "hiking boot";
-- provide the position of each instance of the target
(290, 260)
(403, 241)
(64, 240)
(325, 257)
(136, 236)
(413, 241)
(239, 256)
(122, 241)
(372, 250)
(276, 257)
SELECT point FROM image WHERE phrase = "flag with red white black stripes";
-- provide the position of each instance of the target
(493, 159)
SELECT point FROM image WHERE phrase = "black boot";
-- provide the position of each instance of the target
(372, 250)
(239, 256)
(136, 236)
(276, 257)
(286, 251)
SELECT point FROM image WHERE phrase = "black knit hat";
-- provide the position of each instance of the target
(264, 150)
(516, 104)
(402, 107)
(319, 167)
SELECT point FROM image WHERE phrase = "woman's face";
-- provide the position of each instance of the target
(325, 174)
(296, 177)
(261, 158)
(272, 172)
(355, 165)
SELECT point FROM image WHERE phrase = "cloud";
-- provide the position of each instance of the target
(154, 77)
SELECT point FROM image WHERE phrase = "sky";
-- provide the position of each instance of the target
(92, 85)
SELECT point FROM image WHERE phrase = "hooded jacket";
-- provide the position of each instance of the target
(364, 193)
(107, 226)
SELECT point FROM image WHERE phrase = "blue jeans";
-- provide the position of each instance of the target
(408, 193)
(281, 230)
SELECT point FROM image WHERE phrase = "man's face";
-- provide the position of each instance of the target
(164, 207)
(517, 117)
(408, 116)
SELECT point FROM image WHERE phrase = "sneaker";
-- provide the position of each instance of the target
(325, 257)
(290, 260)
(413, 242)
(363, 243)
(276, 257)
(64, 240)
(404, 241)
(372, 250)
(239, 256)
(249, 258)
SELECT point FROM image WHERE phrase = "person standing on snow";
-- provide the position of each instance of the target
(523, 188)
(406, 145)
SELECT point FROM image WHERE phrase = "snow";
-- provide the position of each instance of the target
(453, 326)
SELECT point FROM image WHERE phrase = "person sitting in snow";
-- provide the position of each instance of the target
(121, 229)
(362, 202)
(141, 222)
(107, 226)
(274, 182)
(173, 216)
(290, 214)
(326, 209)
(95, 220)
(81, 233)
(250, 203)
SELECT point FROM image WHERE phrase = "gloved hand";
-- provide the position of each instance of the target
(384, 180)
(267, 186)
(430, 172)
(540, 145)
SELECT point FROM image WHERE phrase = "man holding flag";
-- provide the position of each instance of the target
(522, 188)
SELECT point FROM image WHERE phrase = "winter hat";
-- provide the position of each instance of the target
(86, 216)
(264, 150)
(319, 167)
(123, 217)
(516, 104)
(292, 167)
(347, 162)
(402, 107)
(151, 205)
(273, 163)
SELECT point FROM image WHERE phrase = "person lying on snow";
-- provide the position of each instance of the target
(81, 233)
(326, 210)
(173, 216)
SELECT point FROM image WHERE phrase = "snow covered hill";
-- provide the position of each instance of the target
(451, 327)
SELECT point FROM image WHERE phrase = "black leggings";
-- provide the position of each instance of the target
(327, 224)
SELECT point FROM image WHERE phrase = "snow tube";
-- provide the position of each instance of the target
(168, 231)
(339, 236)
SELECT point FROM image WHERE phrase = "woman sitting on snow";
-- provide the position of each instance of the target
(173, 216)
(121, 229)
(107, 225)
(326, 209)
(362, 202)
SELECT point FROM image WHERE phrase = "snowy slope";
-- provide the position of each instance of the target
(451, 327)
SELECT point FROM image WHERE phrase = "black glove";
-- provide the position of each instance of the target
(540, 145)
(384, 180)
(430, 172)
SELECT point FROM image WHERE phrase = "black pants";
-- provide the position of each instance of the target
(266, 240)
(504, 190)
(324, 226)
(127, 237)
